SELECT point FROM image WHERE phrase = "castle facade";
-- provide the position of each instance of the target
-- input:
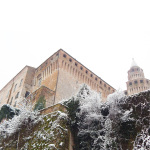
(57, 78)
(136, 80)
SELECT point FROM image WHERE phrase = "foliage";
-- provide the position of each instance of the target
(120, 123)
(40, 104)
(8, 112)
(25, 116)
(50, 132)
(73, 108)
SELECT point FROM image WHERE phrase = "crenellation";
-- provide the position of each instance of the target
(60, 73)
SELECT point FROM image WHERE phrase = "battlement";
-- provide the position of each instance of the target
(61, 73)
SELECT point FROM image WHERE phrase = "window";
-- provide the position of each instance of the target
(96, 79)
(21, 82)
(86, 72)
(147, 81)
(15, 104)
(105, 85)
(141, 81)
(15, 87)
(132, 70)
(81, 68)
(91, 75)
(17, 95)
(7, 94)
(135, 82)
(64, 55)
(100, 82)
(70, 60)
(27, 93)
(130, 83)
(39, 81)
(109, 88)
(76, 64)
(11, 101)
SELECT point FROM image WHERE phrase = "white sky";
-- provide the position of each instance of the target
(102, 35)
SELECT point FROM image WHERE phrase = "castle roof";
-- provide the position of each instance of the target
(133, 64)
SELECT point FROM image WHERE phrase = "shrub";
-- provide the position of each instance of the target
(8, 112)
(40, 104)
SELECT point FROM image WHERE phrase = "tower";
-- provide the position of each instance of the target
(136, 80)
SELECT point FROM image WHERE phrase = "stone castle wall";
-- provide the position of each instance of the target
(60, 73)
(73, 74)
(48, 73)
(9, 93)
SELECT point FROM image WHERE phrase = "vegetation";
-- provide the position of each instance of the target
(7, 112)
(40, 104)
(49, 132)
(120, 123)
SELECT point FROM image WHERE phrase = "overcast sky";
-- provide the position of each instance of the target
(102, 35)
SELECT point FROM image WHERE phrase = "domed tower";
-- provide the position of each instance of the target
(136, 81)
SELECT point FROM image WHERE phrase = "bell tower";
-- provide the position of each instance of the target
(136, 80)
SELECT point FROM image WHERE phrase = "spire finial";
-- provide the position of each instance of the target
(133, 63)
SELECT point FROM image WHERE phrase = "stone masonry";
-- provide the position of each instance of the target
(60, 73)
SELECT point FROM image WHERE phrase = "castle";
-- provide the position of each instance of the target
(57, 78)
(136, 80)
